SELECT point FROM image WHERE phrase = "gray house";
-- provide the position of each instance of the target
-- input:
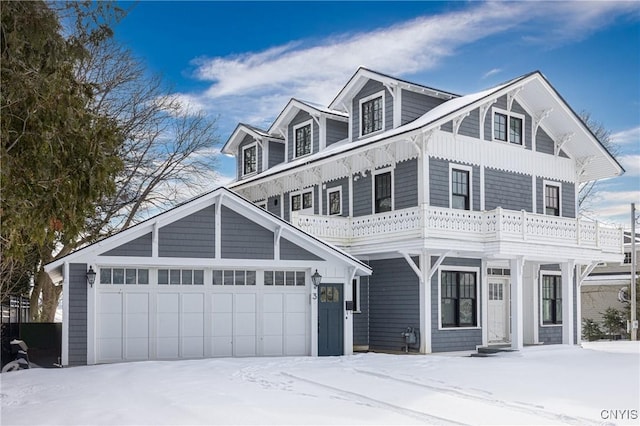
(464, 207)
(214, 277)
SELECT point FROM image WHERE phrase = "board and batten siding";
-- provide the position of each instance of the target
(440, 187)
(77, 314)
(244, 239)
(512, 191)
(276, 153)
(336, 131)
(140, 247)
(415, 105)
(567, 201)
(361, 318)
(191, 236)
(371, 87)
(301, 117)
(449, 340)
(394, 303)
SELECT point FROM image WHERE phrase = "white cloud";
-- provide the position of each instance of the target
(628, 136)
(491, 72)
(254, 86)
(631, 164)
(614, 206)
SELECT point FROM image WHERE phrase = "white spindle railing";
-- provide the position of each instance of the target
(494, 225)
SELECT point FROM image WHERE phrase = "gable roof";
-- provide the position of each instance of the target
(229, 199)
(241, 130)
(362, 75)
(535, 94)
(295, 105)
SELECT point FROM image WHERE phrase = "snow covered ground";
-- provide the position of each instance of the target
(539, 385)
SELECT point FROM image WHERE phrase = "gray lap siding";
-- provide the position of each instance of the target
(336, 131)
(244, 239)
(192, 236)
(508, 190)
(276, 153)
(568, 197)
(445, 340)
(274, 204)
(291, 251)
(361, 318)
(77, 314)
(393, 303)
(140, 247)
(440, 188)
(415, 105)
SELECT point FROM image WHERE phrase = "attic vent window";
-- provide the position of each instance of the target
(372, 115)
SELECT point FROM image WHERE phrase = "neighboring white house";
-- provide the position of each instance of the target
(464, 208)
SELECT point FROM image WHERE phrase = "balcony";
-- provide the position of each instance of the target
(475, 228)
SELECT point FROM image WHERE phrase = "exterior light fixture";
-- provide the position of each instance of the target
(316, 278)
(91, 276)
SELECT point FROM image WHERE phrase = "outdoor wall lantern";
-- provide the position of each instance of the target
(316, 278)
(91, 276)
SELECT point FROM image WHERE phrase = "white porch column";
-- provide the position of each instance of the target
(484, 297)
(65, 313)
(425, 303)
(517, 317)
(567, 269)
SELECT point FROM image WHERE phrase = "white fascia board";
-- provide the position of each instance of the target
(237, 136)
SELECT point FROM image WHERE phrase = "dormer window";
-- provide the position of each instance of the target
(249, 159)
(507, 127)
(302, 137)
(372, 114)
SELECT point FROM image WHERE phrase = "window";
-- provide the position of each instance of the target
(302, 137)
(125, 276)
(551, 299)
(507, 127)
(458, 301)
(180, 277)
(355, 296)
(280, 278)
(234, 277)
(249, 159)
(372, 114)
(382, 193)
(460, 189)
(552, 199)
(627, 258)
(302, 201)
(334, 201)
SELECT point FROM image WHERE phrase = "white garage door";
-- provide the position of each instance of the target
(167, 322)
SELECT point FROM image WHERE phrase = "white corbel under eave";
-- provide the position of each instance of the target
(539, 117)
(563, 140)
(511, 96)
(457, 122)
(585, 273)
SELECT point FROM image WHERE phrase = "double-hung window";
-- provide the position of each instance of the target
(460, 194)
(302, 136)
(382, 193)
(458, 299)
(552, 200)
(371, 111)
(507, 128)
(334, 201)
(551, 299)
(249, 159)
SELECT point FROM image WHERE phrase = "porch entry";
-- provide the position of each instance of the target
(330, 320)
(499, 310)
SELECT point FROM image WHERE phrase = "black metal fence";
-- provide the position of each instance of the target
(14, 311)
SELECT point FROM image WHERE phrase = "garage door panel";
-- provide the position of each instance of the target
(137, 326)
(168, 302)
(221, 346)
(273, 303)
(192, 347)
(137, 349)
(295, 324)
(222, 302)
(110, 303)
(245, 324)
(168, 324)
(167, 347)
(192, 303)
(296, 303)
(245, 303)
(193, 325)
(296, 345)
(109, 349)
(245, 345)
(272, 324)
(137, 303)
(110, 326)
(273, 345)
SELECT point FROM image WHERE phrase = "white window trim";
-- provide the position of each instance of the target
(244, 148)
(357, 291)
(367, 99)
(295, 141)
(467, 169)
(302, 210)
(329, 191)
(540, 319)
(495, 110)
(478, 301)
(558, 185)
(373, 189)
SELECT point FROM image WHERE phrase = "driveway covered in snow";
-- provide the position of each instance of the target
(541, 385)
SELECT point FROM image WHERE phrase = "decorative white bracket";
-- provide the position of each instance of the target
(413, 265)
(539, 117)
(511, 96)
(388, 150)
(587, 270)
(457, 122)
(436, 265)
(391, 87)
(316, 118)
(563, 140)
(414, 142)
(582, 163)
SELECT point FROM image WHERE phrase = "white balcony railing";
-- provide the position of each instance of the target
(488, 226)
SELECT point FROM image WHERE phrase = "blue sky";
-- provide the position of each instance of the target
(242, 61)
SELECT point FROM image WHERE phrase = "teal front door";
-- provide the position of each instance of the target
(330, 325)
